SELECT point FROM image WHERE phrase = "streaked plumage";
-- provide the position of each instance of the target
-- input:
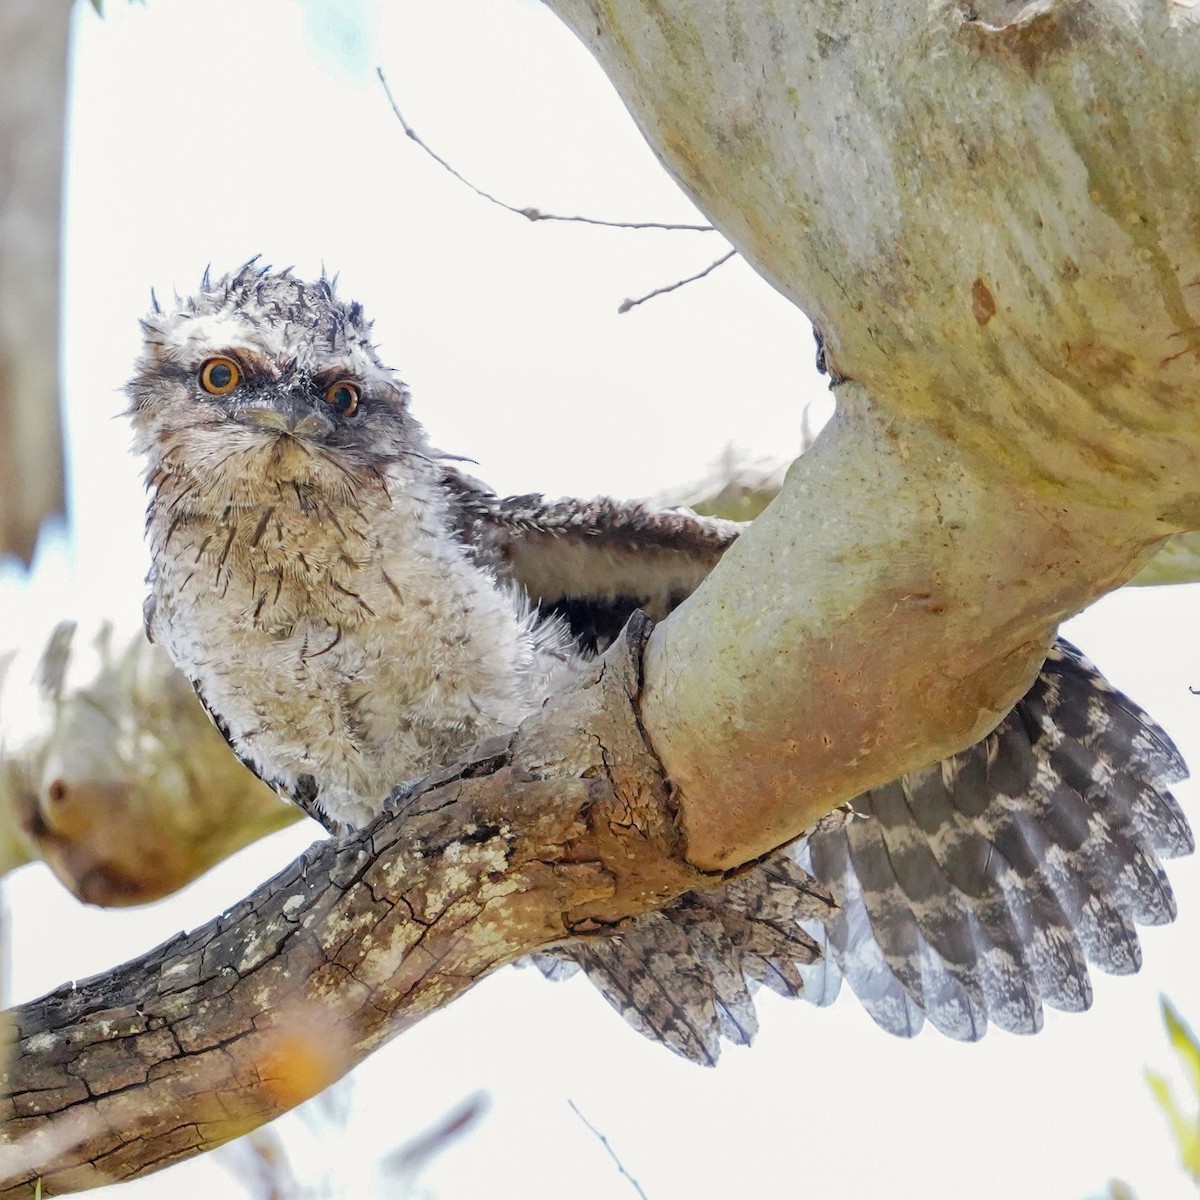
(356, 611)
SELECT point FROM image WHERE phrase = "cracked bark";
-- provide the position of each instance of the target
(565, 832)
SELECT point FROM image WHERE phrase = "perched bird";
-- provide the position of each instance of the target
(354, 611)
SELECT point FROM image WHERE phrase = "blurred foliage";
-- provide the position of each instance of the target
(736, 502)
(98, 6)
(314, 1153)
(1177, 562)
(1184, 1119)
(739, 488)
(736, 489)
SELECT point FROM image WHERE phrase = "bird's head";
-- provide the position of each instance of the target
(261, 377)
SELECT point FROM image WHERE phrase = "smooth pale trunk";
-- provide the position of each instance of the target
(988, 210)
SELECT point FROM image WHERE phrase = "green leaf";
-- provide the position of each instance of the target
(1177, 562)
(1183, 1040)
(1185, 1126)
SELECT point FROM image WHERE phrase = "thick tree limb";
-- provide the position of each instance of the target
(988, 210)
(835, 649)
(566, 833)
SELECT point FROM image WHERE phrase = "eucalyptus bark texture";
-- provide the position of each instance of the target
(564, 833)
(988, 210)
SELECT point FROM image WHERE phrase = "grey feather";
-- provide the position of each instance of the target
(1013, 863)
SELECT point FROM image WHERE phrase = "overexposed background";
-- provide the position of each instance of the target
(208, 131)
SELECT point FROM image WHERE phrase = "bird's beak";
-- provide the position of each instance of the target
(287, 413)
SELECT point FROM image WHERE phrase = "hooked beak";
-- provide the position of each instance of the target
(287, 412)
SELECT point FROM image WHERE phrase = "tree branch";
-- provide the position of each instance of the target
(565, 833)
(1003, 274)
(835, 648)
(626, 305)
(122, 786)
(1002, 269)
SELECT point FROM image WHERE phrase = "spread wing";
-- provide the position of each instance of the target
(591, 562)
(972, 892)
(978, 889)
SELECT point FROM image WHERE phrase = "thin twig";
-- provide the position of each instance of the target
(626, 305)
(637, 1187)
(531, 214)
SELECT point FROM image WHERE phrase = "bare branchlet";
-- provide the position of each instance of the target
(626, 305)
(536, 214)
(528, 212)
(637, 1187)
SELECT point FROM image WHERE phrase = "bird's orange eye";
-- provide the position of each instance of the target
(343, 397)
(219, 376)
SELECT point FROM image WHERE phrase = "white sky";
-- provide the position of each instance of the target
(211, 130)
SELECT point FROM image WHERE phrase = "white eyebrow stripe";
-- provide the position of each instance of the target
(286, 342)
